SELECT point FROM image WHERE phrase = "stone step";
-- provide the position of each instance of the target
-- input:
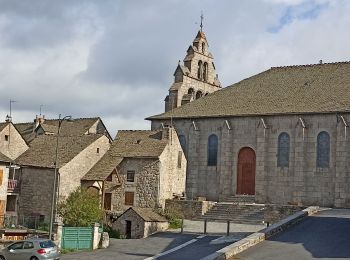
(240, 199)
(237, 213)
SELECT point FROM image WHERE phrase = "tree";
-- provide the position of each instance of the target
(80, 209)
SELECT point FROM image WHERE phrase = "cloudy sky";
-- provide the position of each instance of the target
(115, 58)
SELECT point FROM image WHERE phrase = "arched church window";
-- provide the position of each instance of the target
(190, 91)
(205, 71)
(200, 69)
(203, 47)
(323, 150)
(199, 94)
(283, 150)
(212, 150)
(182, 140)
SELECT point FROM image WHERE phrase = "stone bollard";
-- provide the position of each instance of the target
(105, 240)
(57, 233)
(96, 236)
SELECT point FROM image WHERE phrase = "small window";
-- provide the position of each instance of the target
(108, 201)
(203, 47)
(212, 150)
(129, 198)
(130, 176)
(179, 159)
(98, 150)
(283, 150)
(109, 178)
(323, 150)
(6, 138)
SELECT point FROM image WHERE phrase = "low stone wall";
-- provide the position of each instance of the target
(274, 213)
(188, 209)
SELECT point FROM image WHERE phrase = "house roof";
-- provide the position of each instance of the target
(4, 158)
(146, 214)
(319, 88)
(78, 126)
(103, 168)
(128, 143)
(3, 125)
(42, 150)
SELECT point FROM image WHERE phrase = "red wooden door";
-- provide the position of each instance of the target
(246, 171)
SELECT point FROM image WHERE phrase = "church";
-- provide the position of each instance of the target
(280, 136)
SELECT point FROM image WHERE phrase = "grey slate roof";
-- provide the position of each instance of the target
(4, 158)
(76, 127)
(128, 143)
(3, 125)
(319, 88)
(147, 214)
(42, 150)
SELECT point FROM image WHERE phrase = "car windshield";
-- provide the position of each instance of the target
(47, 244)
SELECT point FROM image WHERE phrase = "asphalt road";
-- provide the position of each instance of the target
(134, 249)
(325, 235)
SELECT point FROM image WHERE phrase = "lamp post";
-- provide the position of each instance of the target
(53, 203)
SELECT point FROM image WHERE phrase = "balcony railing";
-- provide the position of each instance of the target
(13, 185)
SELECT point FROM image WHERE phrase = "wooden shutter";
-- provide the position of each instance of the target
(1, 176)
(129, 198)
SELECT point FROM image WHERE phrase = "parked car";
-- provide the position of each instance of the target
(31, 249)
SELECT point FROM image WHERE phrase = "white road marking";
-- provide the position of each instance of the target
(172, 250)
(199, 237)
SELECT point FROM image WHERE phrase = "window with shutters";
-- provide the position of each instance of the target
(129, 198)
(323, 150)
(283, 150)
(212, 150)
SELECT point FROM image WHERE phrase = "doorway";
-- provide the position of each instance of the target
(246, 172)
(128, 229)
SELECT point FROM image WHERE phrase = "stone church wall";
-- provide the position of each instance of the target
(300, 183)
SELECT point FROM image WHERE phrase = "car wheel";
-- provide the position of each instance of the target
(34, 258)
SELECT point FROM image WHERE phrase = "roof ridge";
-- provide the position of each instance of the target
(311, 65)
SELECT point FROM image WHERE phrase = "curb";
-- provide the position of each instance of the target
(257, 237)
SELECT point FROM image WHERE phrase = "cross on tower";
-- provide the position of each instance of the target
(202, 17)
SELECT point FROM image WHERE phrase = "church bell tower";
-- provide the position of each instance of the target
(196, 76)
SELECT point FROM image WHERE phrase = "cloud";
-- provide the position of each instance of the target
(115, 59)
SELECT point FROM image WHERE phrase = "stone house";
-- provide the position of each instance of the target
(75, 127)
(281, 136)
(141, 169)
(81, 144)
(140, 223)
(11, 146)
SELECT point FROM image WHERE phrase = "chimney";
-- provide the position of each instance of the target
(165, 132)
(38, 120)
(321, 62)
(8, 119)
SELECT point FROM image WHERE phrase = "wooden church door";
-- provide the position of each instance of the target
(246, 171)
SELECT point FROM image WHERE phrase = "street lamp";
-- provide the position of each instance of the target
(60, 121)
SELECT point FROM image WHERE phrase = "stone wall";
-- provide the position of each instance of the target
(301, 183)
(145, 185)
(73, 171)
(188, 209)
(172, 177)
(36, 191)
(154, 227)
(15, 145)
(275, 213)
